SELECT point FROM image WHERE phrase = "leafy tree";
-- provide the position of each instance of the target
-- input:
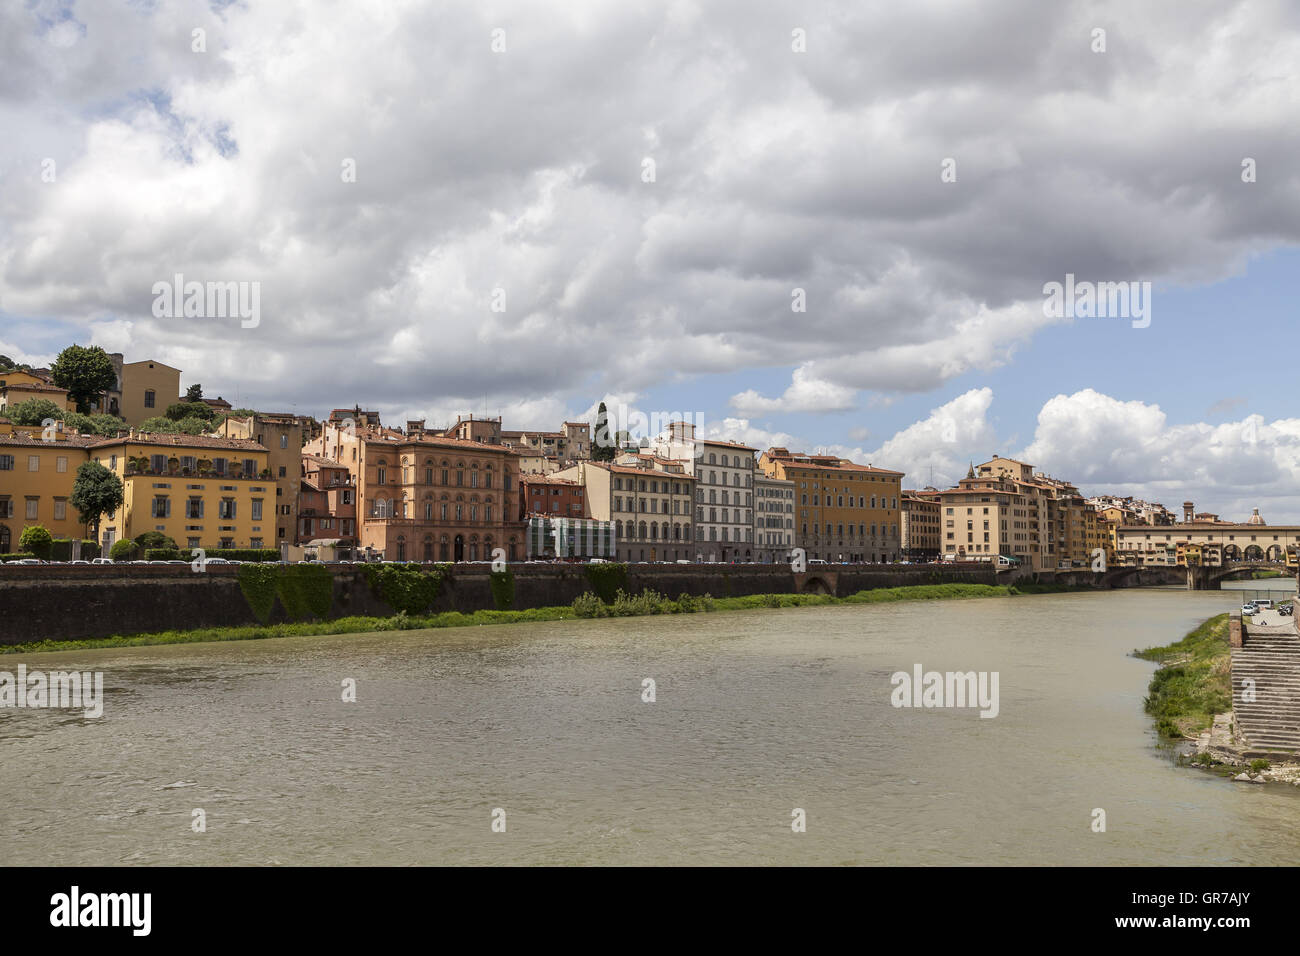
(106, 425)
(194, 393)
(6, 363)
(37, 540)
(86, 373)
(602, 442)
(154, 539)
(96, 491)
(166, 426)
(189, 410)
(34, 411)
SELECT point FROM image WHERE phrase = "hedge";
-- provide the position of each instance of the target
(16, 556)
(230, 554)
(607, 579)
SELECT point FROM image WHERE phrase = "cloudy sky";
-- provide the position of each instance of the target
(522, 208)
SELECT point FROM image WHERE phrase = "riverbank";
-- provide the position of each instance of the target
(1190, 699)
(586, 606)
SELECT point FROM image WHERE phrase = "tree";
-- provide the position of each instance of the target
(106, 425)
(6, 363)
(96, 491)
(35, 411)
(602, 442)
(166, 426)
(194, 393)
(86, 373)
(189, 410)
(36, 540)
(154, 539)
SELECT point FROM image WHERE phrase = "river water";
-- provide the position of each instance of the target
(756, 714)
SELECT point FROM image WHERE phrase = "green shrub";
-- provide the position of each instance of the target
(38, 540)
(587, 604)
(1257, 765)
(503, 589)
(124, 550)
(89, 549)
(16, 556)
(61, 549)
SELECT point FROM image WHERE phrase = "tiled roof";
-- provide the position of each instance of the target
(33, 387)
(183, 441)
(32, 439)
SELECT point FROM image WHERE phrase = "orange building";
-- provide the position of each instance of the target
(843, 511)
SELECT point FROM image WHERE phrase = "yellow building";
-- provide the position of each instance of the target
(17, 386)
(200, 491)
(843, 511)
(147, 388)
(283, 435)
(36, 479)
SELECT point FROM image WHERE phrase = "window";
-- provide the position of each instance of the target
(32, 505)
(60, 508)
(148, 398)
(226, 508)
(194, 508)
(257, 510)
(61, 464)
(284, 441)
(33, 462)
(6, 462)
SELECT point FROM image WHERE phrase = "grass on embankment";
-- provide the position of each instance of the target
(1195, 682)
(629, 606)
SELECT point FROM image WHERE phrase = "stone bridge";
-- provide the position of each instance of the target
(1209, 577)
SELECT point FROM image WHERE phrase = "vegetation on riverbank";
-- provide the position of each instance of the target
(1194, 682)
(587, 605)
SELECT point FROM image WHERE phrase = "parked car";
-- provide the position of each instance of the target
(27, 561)
(101, 561)
(1262, 602)
(1249, 609)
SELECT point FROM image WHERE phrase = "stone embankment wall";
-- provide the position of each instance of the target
(71, 602)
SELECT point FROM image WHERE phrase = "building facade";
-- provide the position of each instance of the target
(843, 511)
(649, 500)
(423, 496)
(36, 480)
(724, 490)
(920, 525)
(552, 497)
(200, 491)
(773, 519)
(327, 504)
(283, 435)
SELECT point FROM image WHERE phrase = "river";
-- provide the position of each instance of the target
(756, 714)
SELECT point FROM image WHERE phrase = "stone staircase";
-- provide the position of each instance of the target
(1271, 657)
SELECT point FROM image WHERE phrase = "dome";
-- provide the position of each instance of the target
(1255, 518)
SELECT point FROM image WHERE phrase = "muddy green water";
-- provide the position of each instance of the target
(757, 713)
